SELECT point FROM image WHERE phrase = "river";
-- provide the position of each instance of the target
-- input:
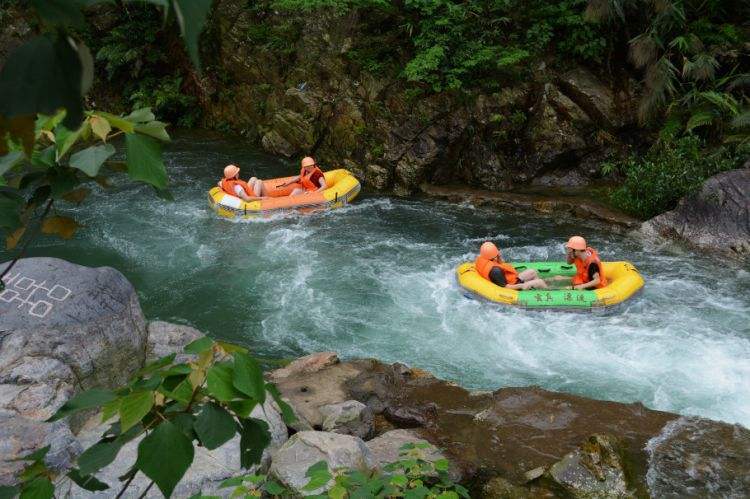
(376, 279)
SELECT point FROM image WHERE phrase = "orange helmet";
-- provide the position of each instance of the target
(488, 250)
(231, 171)
(307, 162)
(576, 243)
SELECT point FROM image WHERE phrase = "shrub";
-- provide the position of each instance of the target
(670, 170)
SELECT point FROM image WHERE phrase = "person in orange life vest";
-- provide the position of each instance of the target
(490, 265)
(231, 184)
(310, 178)
(589, 269)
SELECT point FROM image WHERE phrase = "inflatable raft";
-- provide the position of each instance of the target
(343, 187)
(624, 281)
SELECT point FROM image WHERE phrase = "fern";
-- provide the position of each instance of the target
(699, 119)
(701, 68)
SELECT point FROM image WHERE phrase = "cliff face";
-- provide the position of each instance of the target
(313, 97)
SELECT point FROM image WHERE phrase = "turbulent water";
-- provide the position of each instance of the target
(377, 279)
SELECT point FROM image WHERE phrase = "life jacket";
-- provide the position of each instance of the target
(306, 179)
(485, 266)
(582, 268)
(227, 185)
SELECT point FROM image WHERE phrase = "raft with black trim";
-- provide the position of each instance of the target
(623, 278)
(342, 188)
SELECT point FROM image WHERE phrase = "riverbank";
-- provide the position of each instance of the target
(528, 441)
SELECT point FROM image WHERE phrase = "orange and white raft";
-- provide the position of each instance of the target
(342, 188)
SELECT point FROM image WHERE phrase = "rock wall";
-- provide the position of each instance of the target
(716, 218)
(554, 129)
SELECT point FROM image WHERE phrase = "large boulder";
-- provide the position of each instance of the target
(65, 328)
(291, 462)
(695, 457)
(717, 217)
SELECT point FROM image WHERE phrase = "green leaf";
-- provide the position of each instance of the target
(183, 392)
(37, 455)
(9, 491)
(419, 493)
(10, 160)
(219, 382)
(95, 397)
(242, 408)
(65, 139)
(274, 488)
(441, 465)
(10, 216)
(42, 76)
(91, 159)
(87, 482)
(155, 129)
(337, 492)
(248, 377)
(164, 456)
(141, 115)
(254, 437)
(59, 13)
(235, 481)
(287, 413)
(109, 410)
(186, 424)
(39, 488)
(214, 426)
(134, 407)
(156, 365)
(144, 160)
(98, 456)
(118, 122)
(198, 346)
(399, 480)
(191, 15)
(699, 119)
(44, 158)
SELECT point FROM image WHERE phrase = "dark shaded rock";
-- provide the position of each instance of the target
(504, 433)
(378, 177)
(594, 470)
(348, 418)
(715, 218)
(597, 99)
(695, 457)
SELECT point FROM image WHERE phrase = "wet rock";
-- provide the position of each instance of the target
(386, 449)
(291, 462)
(564, 178)
(274, 143)
(165, 338)
(696, 457)
(594, 470)
(306, 365)
(378, 177)
(716, 218)
(348, 418)
(294, 129)
(500, 488)
(596, 98)
(20, 436)
(65, 328)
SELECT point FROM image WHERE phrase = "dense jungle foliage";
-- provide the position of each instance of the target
(690, 58)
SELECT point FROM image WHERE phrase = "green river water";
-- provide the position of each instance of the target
(376, 279)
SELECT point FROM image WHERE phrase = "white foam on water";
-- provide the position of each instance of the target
(377, 279)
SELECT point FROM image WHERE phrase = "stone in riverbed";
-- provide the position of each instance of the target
(165, 338)
(386, 449)
(717, 217)
(292, 460)
(696, 457)
(348, 418)
(378, 177)
(594, 470)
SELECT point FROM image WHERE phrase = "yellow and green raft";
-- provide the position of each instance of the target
(623, 278)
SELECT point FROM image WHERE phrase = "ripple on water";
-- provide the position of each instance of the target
(377, 279)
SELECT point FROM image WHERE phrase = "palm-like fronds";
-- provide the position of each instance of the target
(699, 119)
(604, 10)
(661, 81)
(741, 120)
(702, 67)
(644, 49)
